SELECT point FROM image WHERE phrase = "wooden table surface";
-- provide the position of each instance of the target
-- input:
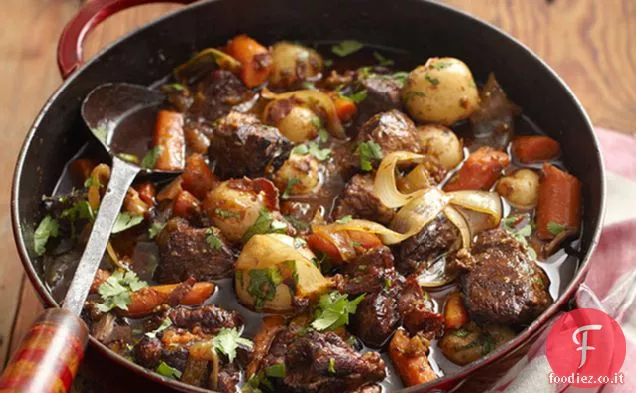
(590, 43)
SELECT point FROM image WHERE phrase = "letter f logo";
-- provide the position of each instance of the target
(584, 348)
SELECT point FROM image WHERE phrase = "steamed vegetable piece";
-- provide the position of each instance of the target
(235, 205)
(292, 64)
(441, 91)
(168, 142)
(559, 202)
(455, 315)
(144, 301)
(534, 148)
(274, 271)
(320, 104)
(409, 357)
(299, 175)
(342, 244)
(441, 143)
(198, 179)
(481, 209)
(186, 205)
(385, 184)
(470, 342)
(293, 119)
(521, 188)
(480, 171)
(255, 59)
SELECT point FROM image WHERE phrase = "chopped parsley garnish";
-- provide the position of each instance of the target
(331, 368)
(173, 87)
(126, 221)
(333, 311)
(289, 187)
(166, 323)
(129, 158)
(440, 65)
(356, 97)
(265, 223)
(432, 81)
(344, 220)
(296, 223)
(80, 210)
(115, 291)
(323, 135)
(369, 153)
(383, 61)
(555, 228)
(314, 149)
(262, 286)
(346, 47)
(309, 85)
(511, 225)
(256, 380)
(168, 371)
(412, 94)
(461, 332)
(276, 370)
(223, 213)
(400, 77)
(150, 159)
(155, 228)
(213, 240)
(228, 340)
(92, 181)
(328, 63)
(47, 229)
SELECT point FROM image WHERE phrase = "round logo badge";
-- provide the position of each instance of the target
(585, 348)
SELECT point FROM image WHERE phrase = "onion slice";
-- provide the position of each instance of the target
(388, 236)
(418, 212)
(482, 210)
(204, 61)
(385, 184)
(318, 102)
(460, 222)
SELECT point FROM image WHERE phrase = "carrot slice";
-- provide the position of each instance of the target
(255, 59)
(559, 202)
(455, 315)
(480, 171)
(170, 138)
(345, 109)
(409, 359)
(535, 148)
(364, 239)
(186, 205)
(318, 243)
(147, 192)
(198, 179)
(144, 301)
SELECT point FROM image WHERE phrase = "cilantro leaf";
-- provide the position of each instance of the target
(323, 135)
(356, 97)
(166, 323)
(276, 370)
(440, 65)
(47, 228)
(155, 228)
(290, 186)
(92, 181)
(344, 220)
(555, 228)
(213, 240)
(262, 285)
(125, 221)
(80, 210)
(314, 149)
(369, 152)
(228, 340)
(223, 213)
(296, 223)
(168, 371)
(383, 61)
(333, 311)
(346, 47)
(265, 223)
(432, 81)
(115, 291)
(150, 159)
(511, 225)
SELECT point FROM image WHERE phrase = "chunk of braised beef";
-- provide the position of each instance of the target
(502, 284)
(107, 330)
(437, 238)
(322, 362)
(299, 214)
(377, 316)
(417, 310)
(217, 94)
(150, 352)
(243, 146)
(185, 252)
(370, 272)
(383, 94)
(228, 379)
(208, 318)
(392, 130)
(357, 200)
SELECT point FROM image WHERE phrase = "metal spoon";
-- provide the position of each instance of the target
(104, 108)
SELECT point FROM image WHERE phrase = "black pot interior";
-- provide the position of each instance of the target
(422, 28)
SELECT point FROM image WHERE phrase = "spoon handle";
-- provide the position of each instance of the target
(122, 175)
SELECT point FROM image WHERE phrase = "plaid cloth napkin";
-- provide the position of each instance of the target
(612, 290)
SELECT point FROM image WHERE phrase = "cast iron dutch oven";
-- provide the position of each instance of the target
(423, 28)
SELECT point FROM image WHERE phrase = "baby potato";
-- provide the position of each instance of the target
(297, 122)
(234, 206)
(469, 343)
(441, 143)
(299, 175)
(293, 63)
(521, 188)
(441, 91)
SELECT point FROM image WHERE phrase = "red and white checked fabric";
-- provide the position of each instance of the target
(611, 283)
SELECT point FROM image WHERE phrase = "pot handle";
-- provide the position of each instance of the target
(70, 48)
